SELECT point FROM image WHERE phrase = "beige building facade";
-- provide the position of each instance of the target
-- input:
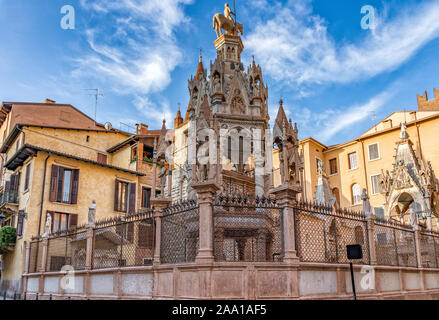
(54, 170)
(365, 162)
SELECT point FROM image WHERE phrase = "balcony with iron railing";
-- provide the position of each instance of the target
(8, 197)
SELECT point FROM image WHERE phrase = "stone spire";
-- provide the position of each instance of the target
(178, 119)
(200, 68)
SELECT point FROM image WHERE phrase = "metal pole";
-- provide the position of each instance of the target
(353, 280)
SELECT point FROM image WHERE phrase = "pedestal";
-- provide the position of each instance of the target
(286, 196)
(158, 204)
(206, 197)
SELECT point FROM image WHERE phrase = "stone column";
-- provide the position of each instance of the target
(27, 258)
(371, 238)
(154, 170)
(206, 196)
(89, 250)
(286, 197)
(45, 244)
(158, 204)
(170, 182)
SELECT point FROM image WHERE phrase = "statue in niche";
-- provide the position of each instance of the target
(162, 179)
(237, 106)
(256, 90)
(217, 83)
(48, 226)
(203, 161)
(385, 181)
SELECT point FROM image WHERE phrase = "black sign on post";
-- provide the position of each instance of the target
(354, 252)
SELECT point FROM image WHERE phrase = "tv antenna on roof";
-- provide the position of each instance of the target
(96, 94)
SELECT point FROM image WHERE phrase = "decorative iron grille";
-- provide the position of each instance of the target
(247, 228)
(394, 244)
(430, 250)
(323, 233)
(67, 250)
(180, 233)
(124, 241)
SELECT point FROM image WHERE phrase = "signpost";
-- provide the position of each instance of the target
(354, 252)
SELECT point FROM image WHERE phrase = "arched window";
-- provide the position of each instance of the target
(359, 235)
(336, 193)
(356, 194)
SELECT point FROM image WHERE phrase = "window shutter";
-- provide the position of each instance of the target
(102, 158)
(116, 196)
(73, 220)
(8, 186)
(20, 223)
(54, 184)
(75, 185)
(132, 199)
(26, 182)
(14, 182)
(13, 221)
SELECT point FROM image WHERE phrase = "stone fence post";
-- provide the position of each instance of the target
(159, 204)
(418, 246)
(206, 197)
(286, 195)
(371, 239)
(45, 245)
(90, 236)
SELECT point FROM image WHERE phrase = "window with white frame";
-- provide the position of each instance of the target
(356, 194)
(375, 182)
(374, 152)
(353, 161)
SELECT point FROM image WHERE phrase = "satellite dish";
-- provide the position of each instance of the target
(108, 126)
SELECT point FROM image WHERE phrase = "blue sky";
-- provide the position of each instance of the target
(332, 74)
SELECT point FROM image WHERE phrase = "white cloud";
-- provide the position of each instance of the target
(134, 51)
(331, 121)
(294, 45)
(150, 110)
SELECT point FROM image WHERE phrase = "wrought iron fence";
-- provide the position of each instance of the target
(430, 250)
(323, 233)
(69, 249)
(124, 241)
(35, 256)
(180, 232)
(394, 244)
(247, 228)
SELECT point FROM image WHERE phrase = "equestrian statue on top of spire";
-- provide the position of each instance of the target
(225, 22)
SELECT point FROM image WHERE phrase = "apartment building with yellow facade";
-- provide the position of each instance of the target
(374, 162)
(56, 161)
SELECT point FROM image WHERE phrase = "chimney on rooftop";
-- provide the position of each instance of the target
(141, 129)
(49, 101)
